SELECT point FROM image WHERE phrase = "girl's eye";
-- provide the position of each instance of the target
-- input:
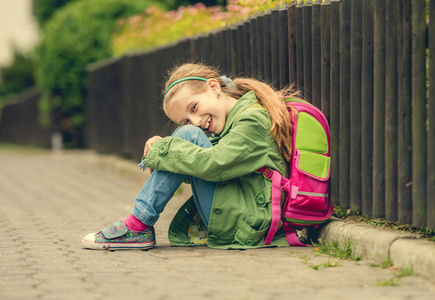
(194, 108)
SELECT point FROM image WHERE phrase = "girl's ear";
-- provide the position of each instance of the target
(214, 85)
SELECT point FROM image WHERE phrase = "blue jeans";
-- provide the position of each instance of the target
(161, 185)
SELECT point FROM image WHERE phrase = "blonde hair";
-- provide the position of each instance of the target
(271, 99)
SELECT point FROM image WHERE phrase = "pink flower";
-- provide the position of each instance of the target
(150, 10)
(220, 15)
(171, 14)
(236, 8)
(135, 19)
(214, 9)
(199, 5)
(191, 9)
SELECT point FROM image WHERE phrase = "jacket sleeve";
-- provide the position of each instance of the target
(242, 151)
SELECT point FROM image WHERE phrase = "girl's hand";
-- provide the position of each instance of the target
(149, 143)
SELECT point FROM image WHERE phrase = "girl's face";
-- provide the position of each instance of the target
(204, 110)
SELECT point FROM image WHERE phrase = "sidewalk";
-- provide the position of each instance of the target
(48, 201)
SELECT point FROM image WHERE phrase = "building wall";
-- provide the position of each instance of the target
(17, 27)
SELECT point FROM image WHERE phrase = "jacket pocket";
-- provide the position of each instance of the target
(312, 164)
(248, 236)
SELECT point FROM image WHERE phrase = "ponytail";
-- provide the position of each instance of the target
(274, 103)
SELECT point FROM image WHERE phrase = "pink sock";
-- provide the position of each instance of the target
(134, 224)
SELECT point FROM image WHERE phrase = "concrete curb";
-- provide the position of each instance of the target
(374, 243)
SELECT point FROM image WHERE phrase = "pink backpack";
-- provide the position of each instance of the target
(307, 200)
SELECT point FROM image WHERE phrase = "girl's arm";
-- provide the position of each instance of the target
(243, 150)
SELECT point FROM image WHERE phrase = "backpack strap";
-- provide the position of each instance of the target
(256, 105)
(278, 181)
(276, 205)
(292, 238)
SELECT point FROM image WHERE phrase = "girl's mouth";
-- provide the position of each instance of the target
(207, 124)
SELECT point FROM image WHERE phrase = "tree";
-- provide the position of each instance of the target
(44, 9)
(78, 34)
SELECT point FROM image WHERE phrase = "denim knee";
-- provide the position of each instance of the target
(192, 134)
(186, 131)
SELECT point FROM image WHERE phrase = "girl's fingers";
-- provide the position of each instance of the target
(149, 143)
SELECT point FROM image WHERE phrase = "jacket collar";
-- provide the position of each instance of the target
(242, 104)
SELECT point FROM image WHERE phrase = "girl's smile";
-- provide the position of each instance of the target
(205, 110)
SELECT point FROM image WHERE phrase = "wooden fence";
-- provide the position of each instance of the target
(19, 121)
(365, 63)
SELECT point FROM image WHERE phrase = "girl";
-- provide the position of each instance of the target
(228, 131)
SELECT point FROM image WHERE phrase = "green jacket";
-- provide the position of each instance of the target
(241, 209)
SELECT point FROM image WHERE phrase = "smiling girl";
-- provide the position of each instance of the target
(229, 129)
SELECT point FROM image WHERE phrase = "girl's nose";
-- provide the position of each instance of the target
(196, 121)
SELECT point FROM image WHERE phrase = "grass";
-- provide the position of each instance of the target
(400, 273)
(424, 233)
(405, 272)
(389, 282)
(305, 257)
(386, 263)
(344, 250)
(326, 265)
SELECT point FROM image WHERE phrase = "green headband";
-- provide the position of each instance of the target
(183, 79)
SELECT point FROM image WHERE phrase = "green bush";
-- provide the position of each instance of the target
(44, 9)
(16, 76)
(78, 34)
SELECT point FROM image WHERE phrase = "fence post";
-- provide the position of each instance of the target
(419, 135)
(299, 46)
(283, 47)
(379, 110)
(316, 58)
(325, 10)
(230, 49)
(240, 56)
(204, 46)
(232, 37)
(292, 43)
(253, 45)
(191, 43)
(431, 117)
(125, 76)
(267, 47)
(195, 47)
(260, 45)
(274, 53)
(214, 44)
(404, 98)
(221, 50)
(367, 108)
(345, 12)
(355, 104)
(335, 102)
(391, 111)
(308, 71)
(246, 48)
